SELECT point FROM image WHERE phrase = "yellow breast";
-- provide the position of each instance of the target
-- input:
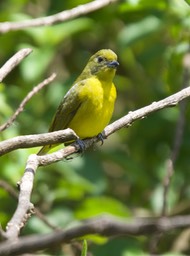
(96, 110)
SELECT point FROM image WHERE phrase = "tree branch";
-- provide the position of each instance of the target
(105, 226)
(24, 207)
(170, 162)
(34, 161)
(178, 135)
(61, 136)
(56, 18)
(14, 193)
(141, 113)
(35, 90)
(35, 140)
(13, 62)
(55, 137)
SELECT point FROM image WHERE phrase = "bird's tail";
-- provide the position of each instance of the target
(44, 150)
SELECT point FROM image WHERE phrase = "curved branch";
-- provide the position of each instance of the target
(56, 18)
(13, 62)
(106, 226)
(141, 113)
(127, 120)
(170, 163)
(35, 140)
(14, 194)
(35, 90)
(34, 161)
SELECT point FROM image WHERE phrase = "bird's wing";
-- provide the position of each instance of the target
(67, 108)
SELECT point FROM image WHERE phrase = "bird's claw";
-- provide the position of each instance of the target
(101, 136)
(81, 145)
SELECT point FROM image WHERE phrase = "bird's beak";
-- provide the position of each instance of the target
(113, 64)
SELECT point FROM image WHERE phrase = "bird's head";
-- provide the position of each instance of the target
(102, 64)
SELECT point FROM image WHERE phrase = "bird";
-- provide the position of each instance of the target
(89, 104)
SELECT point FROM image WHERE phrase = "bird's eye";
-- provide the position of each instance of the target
(100, 59)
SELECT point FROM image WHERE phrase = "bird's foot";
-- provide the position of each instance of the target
(101, 136)
(81, 145)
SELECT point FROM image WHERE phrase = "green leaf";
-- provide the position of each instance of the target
(34, 66)
(139, 30)
(52, 35)
(93, 206)
(84, 248)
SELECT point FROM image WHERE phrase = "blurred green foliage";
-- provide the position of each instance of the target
(123, 177)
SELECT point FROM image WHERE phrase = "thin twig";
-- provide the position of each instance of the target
(8, 188)
(13, 62)
(178, 135)
(170, 163)
(14, 193)
(35, 90)
(105, 226)
(43, 218)
(56, 18)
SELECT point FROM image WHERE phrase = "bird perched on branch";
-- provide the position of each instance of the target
(88, 106)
